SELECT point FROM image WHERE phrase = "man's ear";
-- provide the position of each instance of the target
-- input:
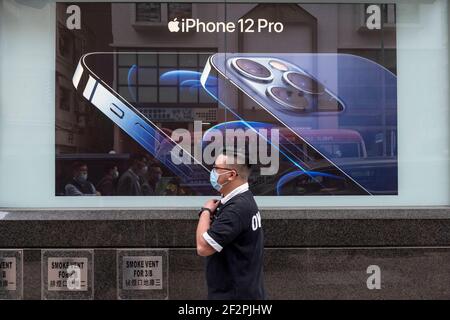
(235, 173)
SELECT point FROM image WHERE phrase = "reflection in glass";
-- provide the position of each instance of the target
(148, 12)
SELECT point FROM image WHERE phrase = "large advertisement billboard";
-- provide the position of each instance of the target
(149, 93)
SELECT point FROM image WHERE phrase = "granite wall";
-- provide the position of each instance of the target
(310, 254)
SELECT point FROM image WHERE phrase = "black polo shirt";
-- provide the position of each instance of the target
(235, 271)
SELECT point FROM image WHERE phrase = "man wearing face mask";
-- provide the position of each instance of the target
(79, 185)
(130, 183)
(106, 185)
(150, 184)
(229, 233)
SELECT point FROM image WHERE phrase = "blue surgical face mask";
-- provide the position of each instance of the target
(82, 177)
(214, 177)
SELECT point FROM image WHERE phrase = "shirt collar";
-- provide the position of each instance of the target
(241, 189)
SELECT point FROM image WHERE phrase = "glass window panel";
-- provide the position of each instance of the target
(147, 76)
(167, 80)
(126, 59)
(123, 76)
(128, 93)
(206, 98)
(147, 60)
(188, 60)
(168, 94)
(148, 12)
(179, 10)
(167, 60)
(148, 94)
(417, 45)
(189, 95)
(202, 59)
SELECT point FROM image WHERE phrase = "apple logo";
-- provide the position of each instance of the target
(173, 25)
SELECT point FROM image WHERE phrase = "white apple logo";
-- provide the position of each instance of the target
(173, 25)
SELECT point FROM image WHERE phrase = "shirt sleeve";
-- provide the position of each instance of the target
(71, 190)
(224, 230)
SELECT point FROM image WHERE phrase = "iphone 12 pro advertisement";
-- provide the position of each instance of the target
(147, 95)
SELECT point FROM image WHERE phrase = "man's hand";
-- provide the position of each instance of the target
(212, 204)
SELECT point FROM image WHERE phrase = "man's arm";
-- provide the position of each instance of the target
(203, 247)
(71, 190)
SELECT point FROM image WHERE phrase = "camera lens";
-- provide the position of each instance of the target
(303, 82)
(290, 98)
(278, 65)
(252, 69)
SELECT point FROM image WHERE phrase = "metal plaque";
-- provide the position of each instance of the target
(11, 277)
(67, 274)
(8, 274)
(142, 274)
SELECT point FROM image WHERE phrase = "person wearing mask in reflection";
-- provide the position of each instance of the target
(107, 184)
(79, 185)
(130, 183)
(150, 186)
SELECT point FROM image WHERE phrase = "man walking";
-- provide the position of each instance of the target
(230, 235)
(130, 183)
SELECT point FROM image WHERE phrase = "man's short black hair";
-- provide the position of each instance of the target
(241, 155)
(153, 163)
(241, 161)
(109, 167)
(137, 157)
(77, 165)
